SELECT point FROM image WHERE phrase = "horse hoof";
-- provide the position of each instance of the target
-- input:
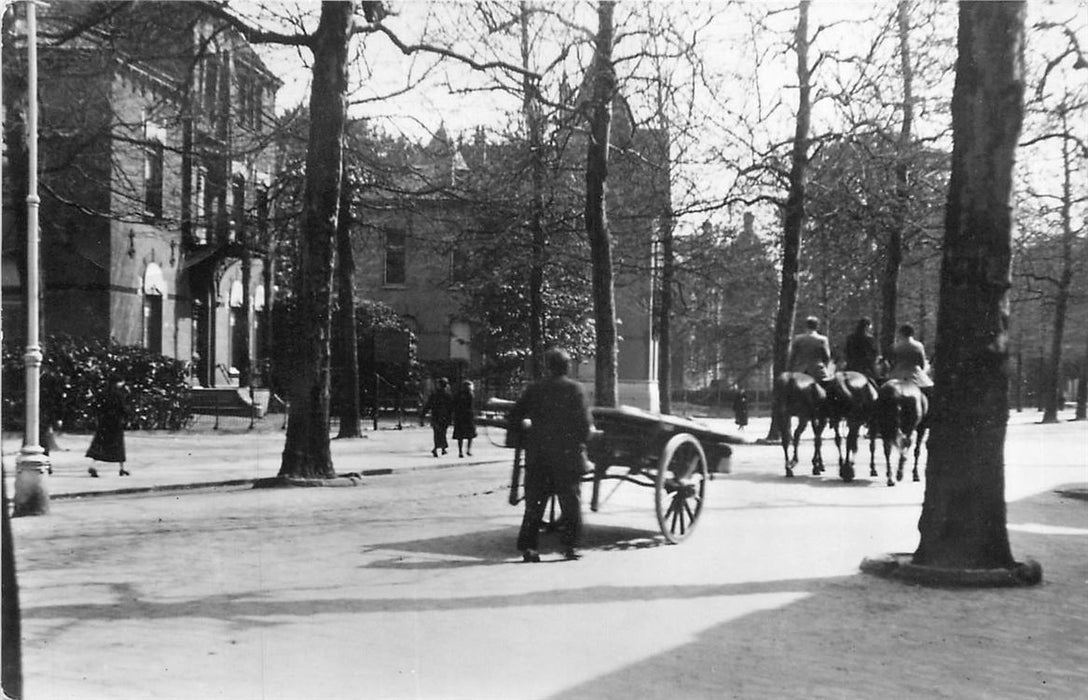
(846, 474)
(916, 478)
(789, 473)
(872, 473)
(891, 483)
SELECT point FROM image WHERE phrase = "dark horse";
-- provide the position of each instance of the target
(851, 397)
(798, 394)
(901, 410)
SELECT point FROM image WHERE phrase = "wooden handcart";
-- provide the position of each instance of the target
(673, 456)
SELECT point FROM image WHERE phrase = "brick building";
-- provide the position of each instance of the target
(154, 125)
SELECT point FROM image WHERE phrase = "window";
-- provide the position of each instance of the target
(200, 206)
(395, 258)
(238, 206)
(211, 80)
(154, 136)
(154, 287)
(458, 266)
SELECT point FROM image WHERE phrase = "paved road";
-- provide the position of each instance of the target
(408, 586)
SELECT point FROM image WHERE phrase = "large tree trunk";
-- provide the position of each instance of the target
(893, 260)
(1053, 375)
(531, 110)
(349, 336)
(963, 522)
(604, 302)
(306, 450)
(794, 219)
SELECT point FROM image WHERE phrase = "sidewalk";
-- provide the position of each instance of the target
(235, 455)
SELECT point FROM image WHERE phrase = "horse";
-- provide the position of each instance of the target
(901, 411)
(798, 394)
(851, 397)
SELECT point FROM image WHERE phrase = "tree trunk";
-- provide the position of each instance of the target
(889, 287)
(604, 302)
(306, 450)
(531, 110)
(664, 315)
(349, 336)
(794, 219)
(963, 522)
(1065, 280)
(1082, 390)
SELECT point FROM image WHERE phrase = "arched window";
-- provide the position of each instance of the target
(153, 288)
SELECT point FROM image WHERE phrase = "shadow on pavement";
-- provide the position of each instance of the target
(490, 547)
(865, 637)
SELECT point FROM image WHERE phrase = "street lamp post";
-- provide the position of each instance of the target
(31, 495)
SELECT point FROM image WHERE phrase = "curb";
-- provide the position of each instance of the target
(266, 482)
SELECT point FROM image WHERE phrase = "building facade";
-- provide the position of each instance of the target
(154, 125)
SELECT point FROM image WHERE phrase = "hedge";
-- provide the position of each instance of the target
(73, 377)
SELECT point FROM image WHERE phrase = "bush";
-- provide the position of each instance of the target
(73, 378)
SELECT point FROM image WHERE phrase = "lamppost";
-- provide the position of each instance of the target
(31, 495)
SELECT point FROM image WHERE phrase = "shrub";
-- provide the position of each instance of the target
(73, 377)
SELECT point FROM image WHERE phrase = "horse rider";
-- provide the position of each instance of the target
(862, 354)
(810, 353)
(908, 360)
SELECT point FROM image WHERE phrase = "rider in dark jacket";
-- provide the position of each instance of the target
(862, 354)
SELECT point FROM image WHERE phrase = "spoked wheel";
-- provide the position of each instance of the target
(680, 486)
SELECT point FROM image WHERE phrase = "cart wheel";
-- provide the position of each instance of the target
(680, 486)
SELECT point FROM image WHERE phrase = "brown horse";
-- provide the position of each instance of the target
(851, 397)
(901, 411)
(798, 394)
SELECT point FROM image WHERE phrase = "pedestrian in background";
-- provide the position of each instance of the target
(440, 406)
(108, 443)
(740, 408)
(558, 416)
(464, 418)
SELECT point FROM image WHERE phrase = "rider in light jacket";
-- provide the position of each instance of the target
(908, 359)
(810, 352)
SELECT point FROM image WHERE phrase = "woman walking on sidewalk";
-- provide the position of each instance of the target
(440, 406)
(464, 418)
(108, 443)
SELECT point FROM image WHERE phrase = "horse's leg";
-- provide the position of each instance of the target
(888, 458)
(846, 468)
(802, 423)
(918, 449)
(817, 440)
(784, 434)
(838, 443)
(872, 448)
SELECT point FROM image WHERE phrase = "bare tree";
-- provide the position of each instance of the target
(794, 210)
(600, 118)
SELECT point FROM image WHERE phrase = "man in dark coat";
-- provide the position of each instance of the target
(559, 425)
(862, 353)
(810, 352)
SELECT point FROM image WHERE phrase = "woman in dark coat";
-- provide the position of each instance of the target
(440, 406)
(464, 418)
(108, 443)
(740, 408)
